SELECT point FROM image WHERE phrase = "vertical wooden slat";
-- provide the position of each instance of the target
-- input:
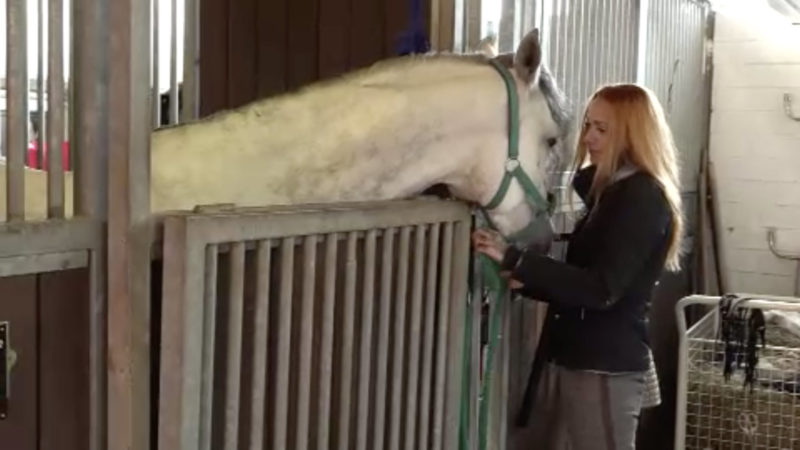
(259, 392)
(326, 352)
(365, 354)
(400, 306)
(334, 37)
(302, 44)
(396, 18)
(447, 12)
(16, 105)
(214, 48)
(271, 37)
(345, 388)
(442, 348)
(209, 327)
(433, 26)
(366, 32)
(306, 335)
(55, 110)
(234, 353)
(242, 43)
(381, 394)
(415, 330)
(281, 413)
(427, 341)
(458, 292)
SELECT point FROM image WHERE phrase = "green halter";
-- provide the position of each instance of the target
(513, 166)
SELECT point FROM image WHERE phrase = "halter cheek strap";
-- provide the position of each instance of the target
(513, 167)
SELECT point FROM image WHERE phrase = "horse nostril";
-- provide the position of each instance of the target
(552, 142)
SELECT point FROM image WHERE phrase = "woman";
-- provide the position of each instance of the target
(595, 339)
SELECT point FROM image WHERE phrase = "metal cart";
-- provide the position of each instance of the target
(713, 413)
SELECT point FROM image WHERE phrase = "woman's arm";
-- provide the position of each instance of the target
(633, 221)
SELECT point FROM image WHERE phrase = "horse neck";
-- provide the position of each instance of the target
(383, 135)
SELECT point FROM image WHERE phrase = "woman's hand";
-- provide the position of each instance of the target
(494, 246)
(489, 243)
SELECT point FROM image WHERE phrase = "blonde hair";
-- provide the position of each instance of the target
(641, 137)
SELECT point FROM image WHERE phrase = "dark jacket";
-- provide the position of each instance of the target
(600, 296)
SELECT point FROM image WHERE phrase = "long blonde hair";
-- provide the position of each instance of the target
(641, 137)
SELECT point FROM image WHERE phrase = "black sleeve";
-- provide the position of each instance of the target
(632, 221)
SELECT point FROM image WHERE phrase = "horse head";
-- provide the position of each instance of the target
(521, 175)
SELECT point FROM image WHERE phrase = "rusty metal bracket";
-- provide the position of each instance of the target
(771, 240)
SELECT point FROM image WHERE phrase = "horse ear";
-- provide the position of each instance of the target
(528, 57)
(488, 46)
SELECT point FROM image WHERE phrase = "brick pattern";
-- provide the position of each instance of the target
(755, 148)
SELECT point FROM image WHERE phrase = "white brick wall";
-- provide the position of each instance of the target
(755, 148)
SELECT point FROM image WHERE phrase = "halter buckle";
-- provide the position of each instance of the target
(512, 164)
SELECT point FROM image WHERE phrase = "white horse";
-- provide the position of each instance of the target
(386, 132)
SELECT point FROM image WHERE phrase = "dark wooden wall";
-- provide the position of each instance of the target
(49, 321)
(256, 48)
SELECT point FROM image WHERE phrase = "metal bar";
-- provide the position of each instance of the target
(113, 158)
(326, 353)
(434, 25)
(281, 413)
(642, 35)
(400, 305)
(306, 335)
(17, 107)
(181, 339)
(458, 291)
(443, 348)
(259, 392)
(415, 330)
(55, 109)
(368, 301)
(427, 341)
(383, 337)
(209, 333)
(505, 365)
(228, 227)
(40, 136)
(174, 106)
(156, 94)
(235, 315)
(191, 61)
(46, 262)
(345, 388)
(476, 357)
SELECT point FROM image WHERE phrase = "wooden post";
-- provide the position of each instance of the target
(129, 227)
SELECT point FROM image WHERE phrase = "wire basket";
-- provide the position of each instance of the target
(715, 413)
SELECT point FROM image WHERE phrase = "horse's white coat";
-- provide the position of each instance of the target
(385, 132)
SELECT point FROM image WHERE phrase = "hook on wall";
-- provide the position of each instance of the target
(787, 107)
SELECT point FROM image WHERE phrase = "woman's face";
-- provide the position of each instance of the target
(597, 129)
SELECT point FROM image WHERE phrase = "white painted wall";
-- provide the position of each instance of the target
(755, 148)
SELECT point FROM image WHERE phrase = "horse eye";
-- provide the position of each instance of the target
(552, 142)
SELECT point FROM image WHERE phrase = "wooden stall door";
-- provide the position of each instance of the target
(252, 49)
(48, 323)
